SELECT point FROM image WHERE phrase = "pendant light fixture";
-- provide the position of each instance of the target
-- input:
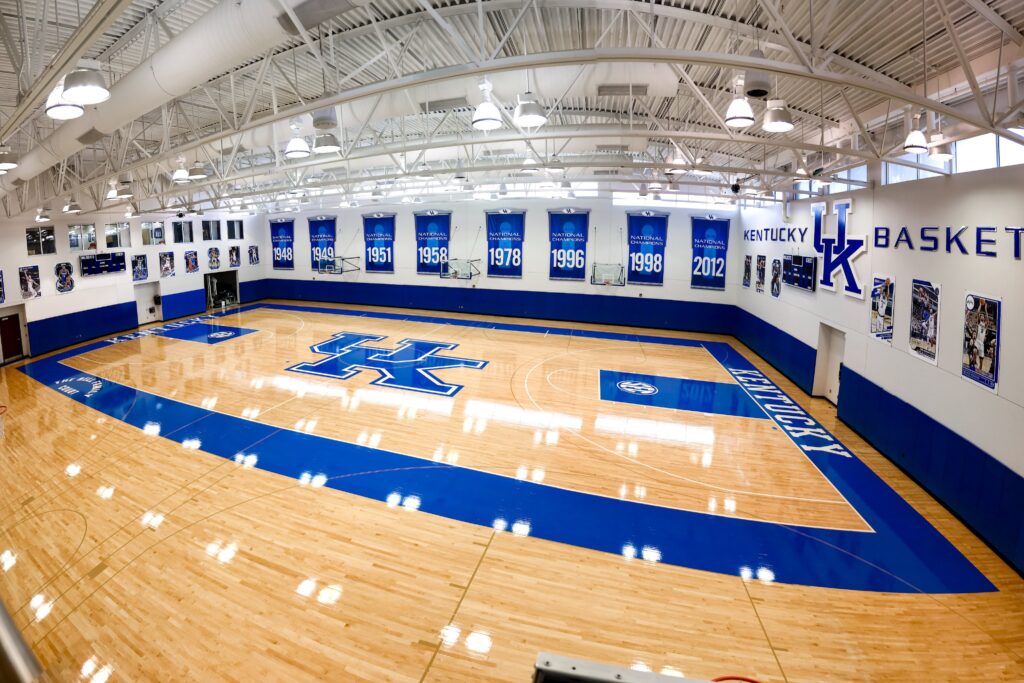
(755, 81)
(678, 165)
(739, 114)
(8, 159)
(777, 118)
(72, 206)
(85, 86)
(528, 113)
(940, 151)
(112, 192)
(915, 142)
(198, 171)
(124, 189)
(323, 143)
(486, 117)
(42, 215)
(530, 165)
(59, 108)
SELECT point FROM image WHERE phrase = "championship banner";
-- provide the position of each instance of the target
(321, 242)
(710, 248)
(981, 340)
(883, 291)
(379, 235)
(433, 230)
(924, 320)
(505, 230)
(647, 232)
(568, 230)
(282, 243)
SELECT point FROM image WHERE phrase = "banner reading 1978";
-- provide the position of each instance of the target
(568, 231)
(321, 242)
(282, 242)
(505, 243)
(433, 229)
(647, 232)
(710, 247)
(379, 235)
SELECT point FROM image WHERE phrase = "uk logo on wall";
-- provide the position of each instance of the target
(839, 251)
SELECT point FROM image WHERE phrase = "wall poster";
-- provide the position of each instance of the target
(882, 290)
(980, 362)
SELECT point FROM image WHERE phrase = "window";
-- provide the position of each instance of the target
(211, 230)
(182, 231)
(1011, 153)
(896, 173)
(40, 241)
(81, 237)
(975, 154)
(118, 235)
(235, 230)
(152, 233)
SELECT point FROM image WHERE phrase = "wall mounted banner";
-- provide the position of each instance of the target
(981, 340)
(321, 242)
(924, 320)
(140, 268)
(568, 230)
(191, 261)
(254, 255)
(776, 277)
(166, 264)
(65, 281)
(761, 267)
(505, 231)
(647, 232)
(746, 271)
(3, 290)
(213, 257)
(234, 257)
(282, 243)
(883, 289)
(28, 278)
(379, 235)
(433, 230)
(710, 247)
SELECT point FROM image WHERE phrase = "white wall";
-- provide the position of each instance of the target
(993, 422)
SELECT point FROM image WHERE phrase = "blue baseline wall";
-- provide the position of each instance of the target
(183, 303)
(64, 330)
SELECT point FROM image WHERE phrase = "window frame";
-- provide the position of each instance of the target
(123, 230)
(39, 231)
(207, 231)
(148, 229)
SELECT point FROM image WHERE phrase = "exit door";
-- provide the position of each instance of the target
(10, 338)
(829, 362)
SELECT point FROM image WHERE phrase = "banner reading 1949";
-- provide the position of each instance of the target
(321, 242)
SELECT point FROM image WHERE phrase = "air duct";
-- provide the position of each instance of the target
(227, 35)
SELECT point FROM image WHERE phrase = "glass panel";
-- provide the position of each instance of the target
(975, 154)
(894, 173)
(183, 231)
(153, 233)
(32, 241)
(47, 240)
(1011, 153)
(81, 237)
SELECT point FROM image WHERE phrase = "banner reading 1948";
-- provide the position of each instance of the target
(282, 242)
(379, 235)
(647, 234)
(568, 232)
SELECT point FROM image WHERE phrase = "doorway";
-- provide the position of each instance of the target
(831, 350)
(10, 338)
(221, 289)
(147, 302)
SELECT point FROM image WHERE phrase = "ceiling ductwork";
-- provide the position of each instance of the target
(227, 35)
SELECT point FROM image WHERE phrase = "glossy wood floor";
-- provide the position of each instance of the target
(251, 576)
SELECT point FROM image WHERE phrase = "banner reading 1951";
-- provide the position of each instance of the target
(282, 242)
(568, 230)
(379, 235)
(433, 229)
(505, 243)
(710, 247)
(647, 233)
(321, 242)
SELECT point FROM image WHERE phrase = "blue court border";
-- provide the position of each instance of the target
(902, 553)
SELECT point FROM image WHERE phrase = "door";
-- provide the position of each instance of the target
(147, 302)
(10, 337)
(829, 362)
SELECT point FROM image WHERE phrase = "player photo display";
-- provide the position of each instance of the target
(166, 264)
(746, 271)
(776, 277)
(882, 289)
(28, 278)
(924, 320)
(761, 266)
(980, 363)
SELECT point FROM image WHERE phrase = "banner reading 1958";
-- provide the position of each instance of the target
(710, 247)
(433, 229)
(379, 235)
(282, 242)
(321, 242)
(647, 233)
(568, 230)
(505, 243)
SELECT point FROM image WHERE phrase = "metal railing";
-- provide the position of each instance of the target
(17, 663)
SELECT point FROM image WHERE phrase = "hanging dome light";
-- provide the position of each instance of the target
(755, 81)
(777, 118)
(679, 164)
(940, 151)
(739, 114)
(323, 143)
(59, 108)
(85, 86)
(198, 171)
(915, 142)
(180, 176)
(486, 117)
(8, 159)
(528, 113)
(124, 190)
(130, 212)
(72, 206)
(297, 148)
(530, 165)
(42, 216)
(112, 192)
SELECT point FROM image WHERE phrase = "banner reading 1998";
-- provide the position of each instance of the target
(321, 242)
(568, 230)
(432, 232)
(505, 243)
(379, 235)
(710, 246)
(647, 232)
(282, 242)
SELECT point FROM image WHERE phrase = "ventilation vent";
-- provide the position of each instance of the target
(491, 153)
(444, 105)
(612, 149)
(90, 136)
(606, 171)
(628, 90)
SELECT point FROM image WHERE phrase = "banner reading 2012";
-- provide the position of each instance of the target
(710, 247)
(433, 229)
(647, 232)
(321, 242)
(282, 242)
(505, 243)
(568, 230)
(379, 235)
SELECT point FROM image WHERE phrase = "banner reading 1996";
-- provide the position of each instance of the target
(432, 232)
(321, 242)
(505, 243)
(379, 235)
(710, 246)
(568, 230)
(647, 232)
(282, 242)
